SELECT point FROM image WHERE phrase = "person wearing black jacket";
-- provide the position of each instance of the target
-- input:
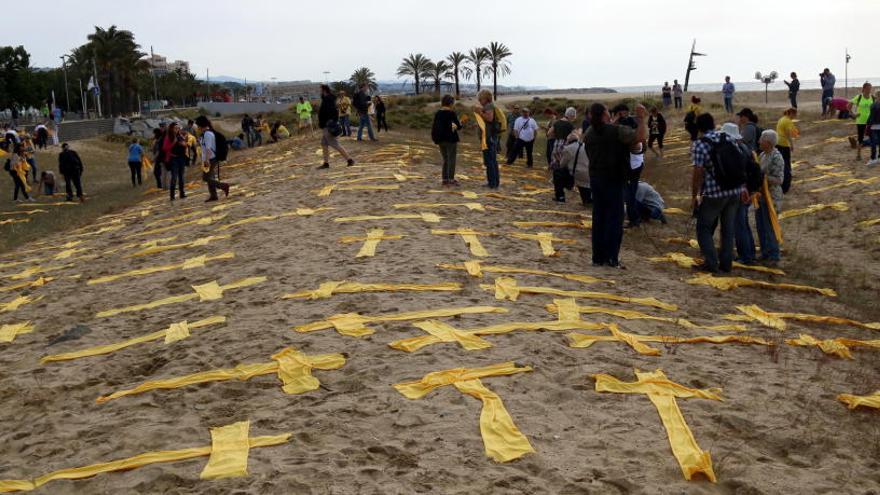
(328, 122)
(793, 87)
(361, 103)
(247, 127)
(444, 133)
(71, 167)
(380, 115)
(656, 131)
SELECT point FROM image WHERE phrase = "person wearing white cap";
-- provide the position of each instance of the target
(743, 237)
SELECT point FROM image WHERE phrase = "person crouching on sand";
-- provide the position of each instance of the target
(212, 155)
(444, 133)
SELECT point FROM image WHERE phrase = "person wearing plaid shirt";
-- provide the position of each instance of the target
(712, 204)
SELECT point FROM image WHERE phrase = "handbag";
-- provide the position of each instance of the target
(568, 177)
(334, 128)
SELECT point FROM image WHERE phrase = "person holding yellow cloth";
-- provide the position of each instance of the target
(18, 169)
(766, 223)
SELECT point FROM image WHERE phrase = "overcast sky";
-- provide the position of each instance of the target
(554, 43)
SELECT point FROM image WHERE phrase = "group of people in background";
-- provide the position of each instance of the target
(18, 153)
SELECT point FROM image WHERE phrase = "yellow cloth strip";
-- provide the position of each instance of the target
(728, 283)
(174, 219)
(26, 212)
(11, 221)
(173, 332)
(197, 262)
(9, 486)
(8, 332)
(206, 292)
(637, 342)
(17, 303)
(854, 401)
(545, 240)
(371, 241)
(245, 221)
(327, 289)
(295, 369)
(839, 347)
(839, 206)
(568, 310)
(204, 241)
(21, 285)
(34, 270)
(663, 393)
(753, 312)
(481, 124)
(507, 288)
(469, 206)
(426, 217)
(208, 220)
(520, 199)
(502, 440)
(476, 268)
(229, 452)
(868, 223)
(686, 261)
(8, 264)
(470, 238)
(584, 224)
(352, 324)
(463, 194)
(681, 240)
(846, 183)
(555, 212)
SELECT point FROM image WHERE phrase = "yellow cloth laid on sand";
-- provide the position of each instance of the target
(293, 368)
(197, 262)
(840, 206)
(545, 240)
(663, 393)
(555, 212)
(353, 324)
(846, 183)
(14, 221)
(175, 332)
(299, 212)
(686, 261)
(568, 310)
(507, 288)
(328, 289)
(502, 440)
(520, 199)
(854, 401)
(35, 270)
(327, 190)
(206, 292)
(776, 320)
(637, 342)
(470, 238)
(371, 241)
(464, 194)
(425, 217)
(23, 285)
(203, 241)
(224, 463)
(681, 240)
(469, 206)
(583, 224)
(208, 220)
(839, 347)
(868, 223)
(728, 283)
(17, 303)
(476, 268)
(8, 332)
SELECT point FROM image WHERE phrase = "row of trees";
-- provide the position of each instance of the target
(489, 61)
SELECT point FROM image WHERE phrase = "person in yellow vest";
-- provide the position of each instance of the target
(860, 107)
(18, 169)
(192, 145)
(304, 112)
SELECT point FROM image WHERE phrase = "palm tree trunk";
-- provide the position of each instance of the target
(478, 78)
(457, 93)
(494, 82)
(417, 84)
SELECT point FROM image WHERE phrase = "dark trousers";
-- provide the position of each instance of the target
(632, 185)
(745, 240)
(448, 153)
(19, 186)
(786, 178)
(558, 187)
(490, 160)
(655, 137)
(381, 122)
(792, 97)
(766, 235)
(517, 149)
(211, 177)
(551, 143)
(345, 122)
(586, 195)
(510, 144)
(71, 182)
(713, 211)
(157, 173)
(135, 168)
(678, 102)
(607, 231)
(178, 168)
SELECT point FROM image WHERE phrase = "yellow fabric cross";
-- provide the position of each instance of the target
(208, 220)
(197, 262)
(568, 310)
(545, 240)
(211, 291)
(227, 453)
(202, 241)
(470, 238)
(463, 194)
(583, 224)
(686, 261)
(663, 393)
(476, 268)
(839, 206)
(854, 401)
(293, 368)
(469, 206)
(22, 285)
(353, 324)
(777, 320)
(425, 217)
(637, 342)
(327, 289)
(839, 347)
(371, 241)
(35, 270)
(846, 183)
(502, 440)
(17, 303)
(728, 283)
(507, 288)
(8, 332)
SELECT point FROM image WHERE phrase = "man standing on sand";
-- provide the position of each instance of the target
(486, 110)
(678, 93)
(667, 95)
(343, 104)
(793, 87)
(728, 90)
(361, 103)
(71, 167)
(828, 81)
(526, 130)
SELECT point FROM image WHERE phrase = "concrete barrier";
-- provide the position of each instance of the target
(84, 129)
(224, 109)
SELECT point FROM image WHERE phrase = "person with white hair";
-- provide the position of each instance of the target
(773, 167)
(562, 133)
(525, 130)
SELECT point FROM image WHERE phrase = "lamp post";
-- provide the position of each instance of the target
(846, 75)
(767, 80)
(66, 92)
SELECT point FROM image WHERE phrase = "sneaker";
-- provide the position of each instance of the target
(703, 267)
(873, 162)
(211, 199)
(350, 162)
(853, 142)
(559, 200)
(454, 182)
(325, 165)
(225, 188)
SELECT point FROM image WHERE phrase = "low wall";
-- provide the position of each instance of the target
(84, 129)
(213, 108)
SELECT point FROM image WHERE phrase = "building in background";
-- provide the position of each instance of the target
(161, 66)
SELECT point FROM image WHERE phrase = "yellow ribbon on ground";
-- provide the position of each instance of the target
(371, 241)
(469, 206)
(520, 199)
(470, 238)
(208, 220)
(292, 367)
(854, 401)
(353, 324)
(728, 283)
(674, 211)
(583, 224)
(328, 289)
(34, 270)
(206, 292)
(507, 288)
(203, 241)
(17, 303)
(175, 332)
(476, 268)
(401, 177)
(637, 342)
(27, 212)
(868, 223)
(663, 393)
(828, 175)
(425, 217)
(8, 264)
(8, 332)
(14, 221)
(846, 183)
(230, 458)
(754, 313)
(555, 212)
(545, 240)
(464, 194)
(502, 440)
(840, 206)
(839, 347)
(299, 212)
(681, 240)
(197, 262)
(568, 310)
(327, 190)
(23, 285)
(686, 261)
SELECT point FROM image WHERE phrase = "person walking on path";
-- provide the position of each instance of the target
(214, 150)
(328, 122)
(657, 130)
(712, 202)
(71, 167)
(667, 95)
(770, 197)
(379, 105)
(608, 148)
(525, 130)
(827, 79)
(511, 140)
(169, 142)
(728, 90)
(178, 161)
(860, 108)
(361, 103)
(343, 104)
(678, 94)
(444, 133)
(135, 161)
(486, 111)
(18, 170)
(793, 88)
(561, 134)
(787, 132)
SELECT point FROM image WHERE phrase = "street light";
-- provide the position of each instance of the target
(66, 92)
(767, 80)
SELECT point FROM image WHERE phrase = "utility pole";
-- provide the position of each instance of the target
(153, 72)
(691, 65)
(846, 76)
(66, 92)
(83, 98)
(97, 85)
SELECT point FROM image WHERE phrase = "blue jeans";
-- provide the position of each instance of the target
(827, 94)
(745, 241)
(728, 104)
(178, 166)
(490, 160)
(607, 231)
(365, 122)
(766, 236)
(875, 143)
(33, 164)
(712, 212)
(345, 122)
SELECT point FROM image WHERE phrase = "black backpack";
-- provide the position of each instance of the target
(754, 175)
(728, 163)
(222, 146)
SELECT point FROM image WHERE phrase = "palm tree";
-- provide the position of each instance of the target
(496, 53)
(364, 76)
(417, 66)
(478, 58)
(438, 71)
(458, 69)
(115, 53)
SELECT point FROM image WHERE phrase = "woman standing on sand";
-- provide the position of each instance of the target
(328, 122)
(695, 109)
(444, 133)
(379, 105)
(786, 133)
(18, 169)
(773, 166)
